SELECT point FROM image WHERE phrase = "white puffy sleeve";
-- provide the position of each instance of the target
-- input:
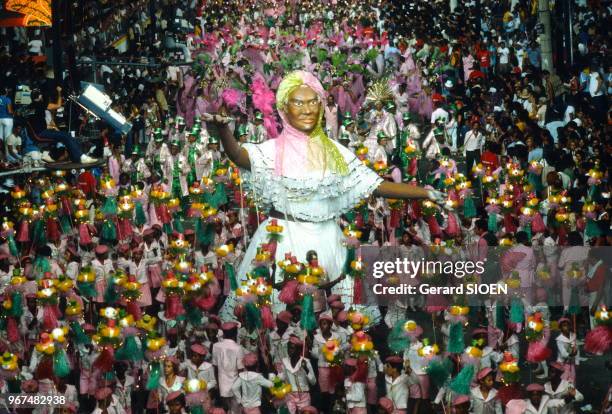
(308, 196)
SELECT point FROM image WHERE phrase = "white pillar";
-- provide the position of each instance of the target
(545, 37)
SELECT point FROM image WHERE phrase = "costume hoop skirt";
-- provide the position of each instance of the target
(312, 201)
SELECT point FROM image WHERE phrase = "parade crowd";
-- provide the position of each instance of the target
(126, 280)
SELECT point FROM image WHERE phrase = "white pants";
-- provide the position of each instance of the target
(6, 127)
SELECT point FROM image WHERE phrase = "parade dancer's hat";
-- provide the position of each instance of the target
(158, 135)
(242, 130)
(137, 150)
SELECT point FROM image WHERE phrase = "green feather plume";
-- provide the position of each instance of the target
(16, 305)
(261, 271)
(80, 337)
(12, 245)
(492, 223)
(231, 275)
(194, 315)
(592, 229)
(397, 339)
(109, 231)
(469, 209)
(350, 257)
(65, 224)
(109, 208)
(110, 295)
(252, 315)
(129, 351)
(196, 410)
(61, 368)
(439, 372)
(517, 311)
(177, 223)
(204, 232)
(140, 218)
(456, 342)
(308, 320)
(154, 375)
(461, 383)
(39, 238)
(574, 305)
(500, 323)
(87, 289)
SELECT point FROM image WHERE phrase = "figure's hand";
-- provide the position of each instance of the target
(208, 117)
(216, 118)
(436, 196)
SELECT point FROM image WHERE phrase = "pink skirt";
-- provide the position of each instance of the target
(153, 401)
(254, 410)
(100, 288)
(328, 379)
(358, 410)
(145, 297)
(87, 381)
(372, 391)
(420, 390)
(161, 296)
(154, 274)
(297, 400)
(569, 373)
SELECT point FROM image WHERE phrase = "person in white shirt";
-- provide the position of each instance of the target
(537, 403)
(13, 146)
(355, 387)
(432, 143)
(473, 143)
(279, 338)
(567, 350)
(560, 388)
(248, 385)
(598, 96)
(398, 383)
(176, 403)
(107, 403)
(380, 155)
(483, 397)
(439, 114)
(103, 268)
(197, 368)
(35, 47)
(504, 54)
(298, 372)
(227, 356)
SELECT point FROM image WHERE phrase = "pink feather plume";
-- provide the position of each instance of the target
(231, 97)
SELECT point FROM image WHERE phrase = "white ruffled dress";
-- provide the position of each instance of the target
(315, 197)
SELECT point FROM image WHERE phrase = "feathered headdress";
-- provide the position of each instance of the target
(380, 91)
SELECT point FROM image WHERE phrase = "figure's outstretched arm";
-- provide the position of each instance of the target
(235, 153)
(402, 191)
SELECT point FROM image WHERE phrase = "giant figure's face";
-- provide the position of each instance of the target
(303, 109)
